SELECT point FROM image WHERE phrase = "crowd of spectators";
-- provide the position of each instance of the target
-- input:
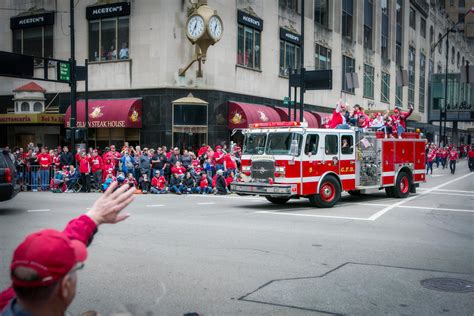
(448, 155)
(344, 117)
(160, 171)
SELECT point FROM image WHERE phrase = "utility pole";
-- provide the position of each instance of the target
(444, 112)
(302, 87)
(72, 61)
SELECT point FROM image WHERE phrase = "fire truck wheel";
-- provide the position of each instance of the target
(402, 187)
(277, 200)
(389, 191)
(328, 195)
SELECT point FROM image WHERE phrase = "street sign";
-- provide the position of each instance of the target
(64, 71)
(16, 65)
(318, 80)
(80, 73)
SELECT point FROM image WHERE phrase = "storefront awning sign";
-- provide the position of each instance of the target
(114, 113)
(34, 118)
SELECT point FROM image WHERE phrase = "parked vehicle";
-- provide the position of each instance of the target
(8, 184)
(287, 160)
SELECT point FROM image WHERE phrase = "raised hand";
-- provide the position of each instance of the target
(106, 210)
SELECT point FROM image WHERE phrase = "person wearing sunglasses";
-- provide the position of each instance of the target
(43, 268)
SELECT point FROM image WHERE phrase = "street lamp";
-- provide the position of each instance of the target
(443, 112)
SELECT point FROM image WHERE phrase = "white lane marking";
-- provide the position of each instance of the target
(206, 203)
(449, 193)
(229, 197)
(388, 208)
(436, 175)
(447, 190)
(45, 210)
(421, 207)
(313, 215)
(154, 205)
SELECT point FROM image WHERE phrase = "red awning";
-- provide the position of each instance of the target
(308, 117)
(120, 113)
(240, 115)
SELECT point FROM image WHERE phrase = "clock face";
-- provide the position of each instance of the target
(215, 27)
(195, 27)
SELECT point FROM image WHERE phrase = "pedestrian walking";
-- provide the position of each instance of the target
(470, 157)
(453, 157)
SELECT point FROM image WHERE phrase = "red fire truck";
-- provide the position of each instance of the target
(285, 160)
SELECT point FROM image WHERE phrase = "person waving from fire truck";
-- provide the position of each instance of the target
(399, 119)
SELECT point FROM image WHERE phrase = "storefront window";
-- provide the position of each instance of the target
(108, 39)
(190, 114)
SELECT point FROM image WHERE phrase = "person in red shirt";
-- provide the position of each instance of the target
(131, 180)
(219, 158)
(338, 117)
(470, 157)
(453, 157)
(429, 160)
(45, 161)
(204, 185)
(85, 170)
(158, 184)
(97, 166)
(399, 119)
(48, 252)
(230, 164)
(202, 150)
(179, 169)
(107, 167)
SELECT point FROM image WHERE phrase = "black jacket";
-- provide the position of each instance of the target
(189, 182)
(221, 185)
(66, 159)
(175, 181)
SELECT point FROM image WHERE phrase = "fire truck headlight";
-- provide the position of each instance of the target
(279, 171)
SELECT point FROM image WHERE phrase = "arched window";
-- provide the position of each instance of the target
(37, 107)
(458, 59)
(440, 45)
(462, 63)
(25, 107)
(452, 55)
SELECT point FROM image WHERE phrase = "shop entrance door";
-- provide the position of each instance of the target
(188, 141)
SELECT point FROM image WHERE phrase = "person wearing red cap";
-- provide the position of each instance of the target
(97, 166)
(44, 265)
(399, 119)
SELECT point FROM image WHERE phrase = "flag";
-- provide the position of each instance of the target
(472, 9)
(365, 142)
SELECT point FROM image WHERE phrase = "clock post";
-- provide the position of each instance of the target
(203, 28)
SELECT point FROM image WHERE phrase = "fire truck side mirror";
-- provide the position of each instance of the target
(294, 147)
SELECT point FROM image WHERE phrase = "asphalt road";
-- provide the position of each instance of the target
(213, 255)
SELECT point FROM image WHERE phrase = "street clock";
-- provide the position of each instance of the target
(203, 28)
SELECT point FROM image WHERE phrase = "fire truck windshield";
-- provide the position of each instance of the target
(280, 143)
(255, 144)
(273, 144)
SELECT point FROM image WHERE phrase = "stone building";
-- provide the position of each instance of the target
(136, 48)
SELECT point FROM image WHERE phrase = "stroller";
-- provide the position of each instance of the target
(57, 183)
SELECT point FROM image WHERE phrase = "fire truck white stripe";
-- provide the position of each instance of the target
(420, 171)
(388, 174)
(347, 177)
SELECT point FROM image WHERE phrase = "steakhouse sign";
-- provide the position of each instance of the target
(100, 124)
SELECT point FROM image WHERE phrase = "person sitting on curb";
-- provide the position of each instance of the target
(44, 265)
(176, 184)
(158, 184)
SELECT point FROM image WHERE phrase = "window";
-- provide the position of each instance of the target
(348, 66)
(331, 145)
(281, 143)
(37, 107)
(368, 82)
(385, 29)
(452, 55)
(291, 5)
(254, 144)
(311, 146)
(461, 17)
(412, 18)
(25, 107)
(458, 60)
(431, 35)
(399, 96)
(108, 39)
(463, 61)
(399, 32)
(321, 12)
(347, 141)
(368, 23)
(385, 87)
(190, 114)
(248, 47)
(423, 28)
(421, 96)
(411, 76)
(322, 57)
(462, 3)
(35, 41)
(289, 57)
(347, 14)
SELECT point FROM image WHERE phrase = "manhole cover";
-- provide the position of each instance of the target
(448, 285)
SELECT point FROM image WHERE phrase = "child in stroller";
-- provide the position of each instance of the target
(58, 183)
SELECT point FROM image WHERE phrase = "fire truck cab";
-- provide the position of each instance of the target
(285, 160)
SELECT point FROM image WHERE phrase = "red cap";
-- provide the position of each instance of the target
(50, 253)
(218, 147)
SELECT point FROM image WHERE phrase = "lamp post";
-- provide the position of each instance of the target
(443, 112)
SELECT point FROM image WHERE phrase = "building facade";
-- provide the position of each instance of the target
(135, 50)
